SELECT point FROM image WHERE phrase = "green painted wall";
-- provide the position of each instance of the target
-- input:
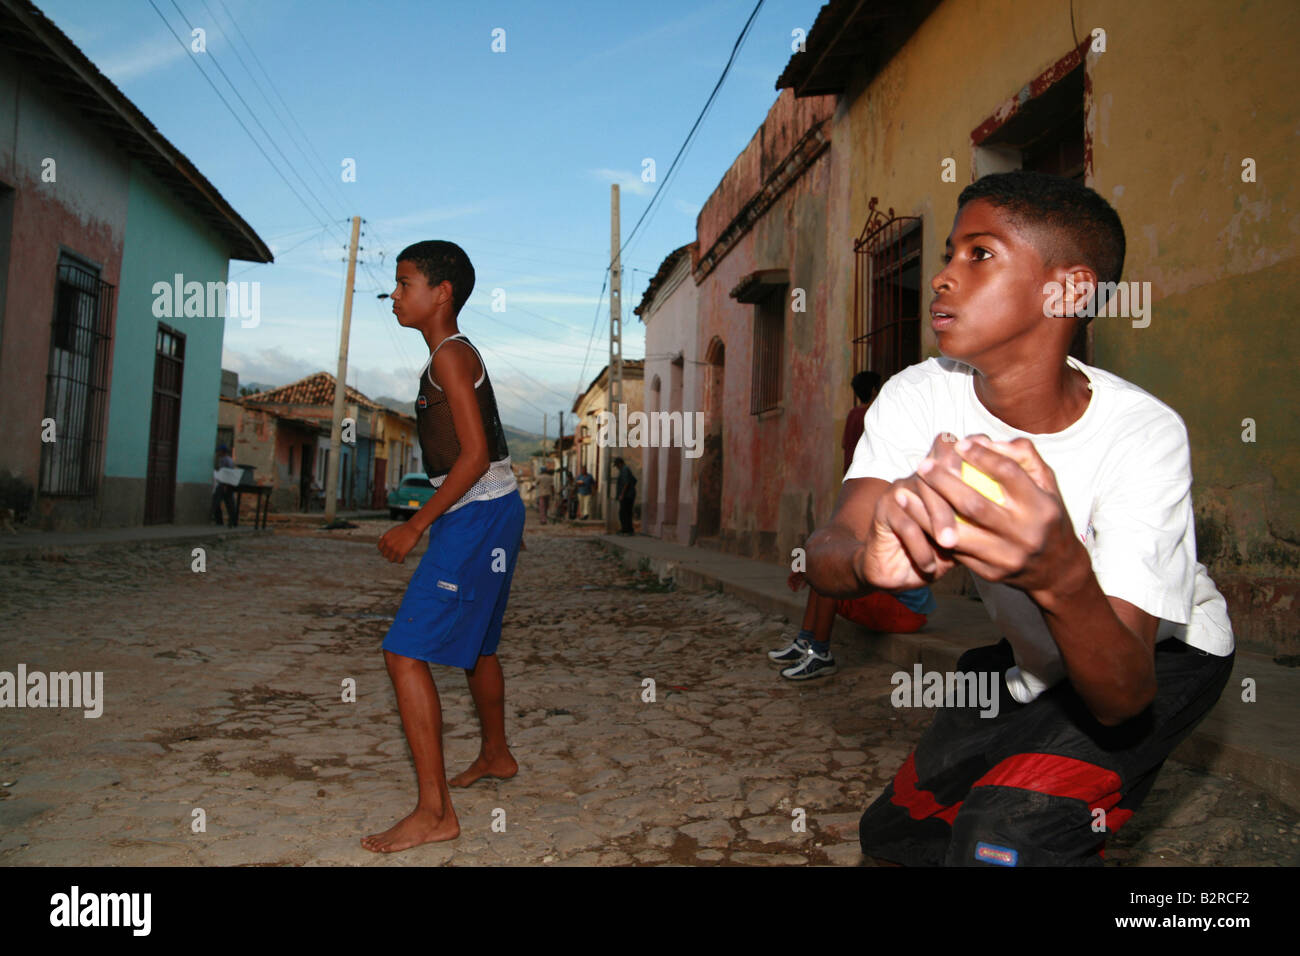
(163, 237)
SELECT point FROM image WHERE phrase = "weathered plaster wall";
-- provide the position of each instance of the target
(670, 328)
(83, 211)
(778, 467)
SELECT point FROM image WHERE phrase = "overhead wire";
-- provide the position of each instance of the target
(661, 190)
(274, 89)
(238, 120)
(220, 69)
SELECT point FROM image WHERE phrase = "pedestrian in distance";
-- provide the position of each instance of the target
(625, 492)
(586, 488)
(223, 488)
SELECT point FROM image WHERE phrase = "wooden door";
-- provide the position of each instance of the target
(164, 426)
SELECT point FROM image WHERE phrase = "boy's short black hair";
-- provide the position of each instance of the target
(439, 261)
(865, 384)
(1083, 227)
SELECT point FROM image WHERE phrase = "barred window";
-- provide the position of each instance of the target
(766, 291)
(769, 340)
(887, 293)
(76, 383)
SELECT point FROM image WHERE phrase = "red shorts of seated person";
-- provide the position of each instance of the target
(880, 611)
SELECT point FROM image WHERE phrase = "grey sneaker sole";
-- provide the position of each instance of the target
(793, 655)
(826, 670)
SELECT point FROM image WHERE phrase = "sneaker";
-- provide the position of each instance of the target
(791, 654)
(812, 665)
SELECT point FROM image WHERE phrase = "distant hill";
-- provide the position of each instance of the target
(522, 444)
(397, 405)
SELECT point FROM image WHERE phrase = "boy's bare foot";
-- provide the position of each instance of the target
(422, 826)
(503, 768)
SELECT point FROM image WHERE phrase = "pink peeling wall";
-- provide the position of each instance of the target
(82, 211)
(780, 468)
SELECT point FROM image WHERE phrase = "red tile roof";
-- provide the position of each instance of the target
(315, 389)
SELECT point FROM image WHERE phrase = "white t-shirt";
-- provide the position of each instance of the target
(1124, 470)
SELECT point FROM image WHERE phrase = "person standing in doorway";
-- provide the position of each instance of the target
(586, 488)
(625, 491)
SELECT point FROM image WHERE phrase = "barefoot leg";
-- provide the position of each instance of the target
(487, 686)
(433, 818)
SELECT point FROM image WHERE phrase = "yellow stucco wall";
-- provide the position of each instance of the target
(1182, 94)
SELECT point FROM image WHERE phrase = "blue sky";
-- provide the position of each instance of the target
(510, 154)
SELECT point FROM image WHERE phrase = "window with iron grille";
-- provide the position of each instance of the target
(77, 380)
(769, 341)
(887, 293)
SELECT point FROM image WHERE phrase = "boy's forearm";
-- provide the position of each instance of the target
(464, 473)
(1111, 667)
(831, 571)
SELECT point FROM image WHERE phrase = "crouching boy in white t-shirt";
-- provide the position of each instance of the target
(1079, 535)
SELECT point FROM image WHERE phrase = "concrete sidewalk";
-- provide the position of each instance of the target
(1253, 742)
(34, 544)
(28, 543)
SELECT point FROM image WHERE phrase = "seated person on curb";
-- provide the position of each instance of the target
(809, 656)
(1116, 642)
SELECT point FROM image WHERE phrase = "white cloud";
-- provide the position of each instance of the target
(271, 366)
(142, 59)
(627, 181)
(436, 214)
(534, 298)
(689, 208)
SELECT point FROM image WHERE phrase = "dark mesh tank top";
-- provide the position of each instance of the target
(438, 440)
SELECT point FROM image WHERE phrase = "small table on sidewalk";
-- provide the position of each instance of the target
(261, 507)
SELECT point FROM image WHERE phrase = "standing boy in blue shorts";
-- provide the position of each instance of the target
(1079, 536)
(451, 613)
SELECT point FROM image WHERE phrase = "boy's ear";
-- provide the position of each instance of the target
(1080, 292)
(445, 292)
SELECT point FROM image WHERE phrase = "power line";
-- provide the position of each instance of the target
(521, 371)
(274, 89)
(242, 62)
(236, 116)
(595, 323)
(258, 265)
(265, 131)
(735, 49)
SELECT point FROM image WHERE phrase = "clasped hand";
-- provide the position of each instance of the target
(915, 537)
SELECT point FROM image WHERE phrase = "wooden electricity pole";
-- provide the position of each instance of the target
(340, 382)
(614, 392)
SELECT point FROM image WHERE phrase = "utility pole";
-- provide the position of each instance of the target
(614, 392)
(340, 382)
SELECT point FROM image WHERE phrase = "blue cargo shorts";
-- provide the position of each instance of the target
(453, 607)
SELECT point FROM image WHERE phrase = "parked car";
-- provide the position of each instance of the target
(409, 497)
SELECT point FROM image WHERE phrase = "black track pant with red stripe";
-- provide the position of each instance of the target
(1024, 788)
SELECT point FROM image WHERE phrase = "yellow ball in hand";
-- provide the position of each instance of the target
(982, 483)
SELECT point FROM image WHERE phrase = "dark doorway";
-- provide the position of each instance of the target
(304, 479)
(379, 499)
(708, 521)
(164, 426)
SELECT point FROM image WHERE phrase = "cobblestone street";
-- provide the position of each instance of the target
(223, 692)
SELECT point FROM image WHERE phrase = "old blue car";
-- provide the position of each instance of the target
(408, 497)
